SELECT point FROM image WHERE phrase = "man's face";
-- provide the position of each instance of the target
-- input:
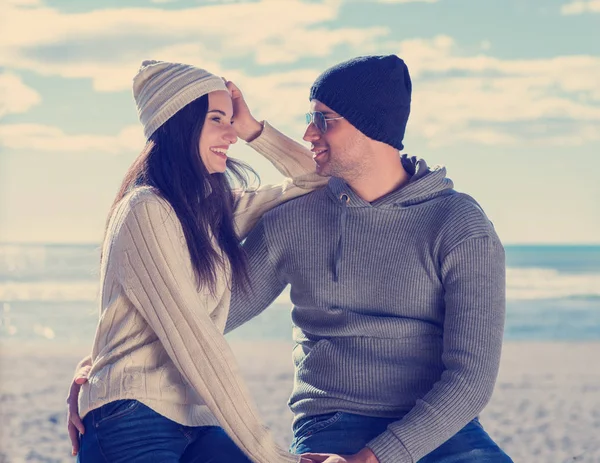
(342, 151)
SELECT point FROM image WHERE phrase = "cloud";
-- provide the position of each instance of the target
(457, 98)
(580, 7)
(282, 98)
(15, 96)
(106, 45)
(43, 138)
(489, 100)
(21, 3)
(407, 1)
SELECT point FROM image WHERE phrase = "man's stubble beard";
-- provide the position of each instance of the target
(347, 170)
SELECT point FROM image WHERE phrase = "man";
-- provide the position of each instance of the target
(397, 282)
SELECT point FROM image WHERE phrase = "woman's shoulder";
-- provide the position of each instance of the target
(143, 196)
(143, 204)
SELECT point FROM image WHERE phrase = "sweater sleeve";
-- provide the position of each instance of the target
(155, 273)
(264, 286)
(293, 161)
(473, 275)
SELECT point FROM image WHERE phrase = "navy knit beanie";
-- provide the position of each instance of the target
(372, 93)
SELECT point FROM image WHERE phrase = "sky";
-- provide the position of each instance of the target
(506, 95)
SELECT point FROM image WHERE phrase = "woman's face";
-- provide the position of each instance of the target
(217, 133)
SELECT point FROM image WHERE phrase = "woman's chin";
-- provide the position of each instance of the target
(218, 168)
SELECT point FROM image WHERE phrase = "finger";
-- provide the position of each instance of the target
(230, 86)
(76, 421)
(233, 89)
(81, 380)
(73, 392)
(82, 375)
(73, 416)
(74, 437)
(316, 457)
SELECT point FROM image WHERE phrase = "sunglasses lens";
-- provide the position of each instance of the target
(320, 122)
(318, 119)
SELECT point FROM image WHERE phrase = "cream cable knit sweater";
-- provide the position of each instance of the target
(159, 340)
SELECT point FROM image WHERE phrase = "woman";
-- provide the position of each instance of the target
(163, 384)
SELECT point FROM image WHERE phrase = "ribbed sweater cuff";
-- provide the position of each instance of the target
(388, 449)
(289, 157)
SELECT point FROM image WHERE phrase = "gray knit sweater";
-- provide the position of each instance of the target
(398, 305)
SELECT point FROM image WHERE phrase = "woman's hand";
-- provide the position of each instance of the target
(246, 127)
(74, 423)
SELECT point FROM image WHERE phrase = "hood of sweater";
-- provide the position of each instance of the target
(425, 184)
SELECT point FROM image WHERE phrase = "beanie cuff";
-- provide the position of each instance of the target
(185, 96)
(360, 120)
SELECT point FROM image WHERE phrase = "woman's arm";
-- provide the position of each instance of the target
(290, 158)
(293, 161)
(157, 277)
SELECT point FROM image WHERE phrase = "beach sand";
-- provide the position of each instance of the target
(546, 406)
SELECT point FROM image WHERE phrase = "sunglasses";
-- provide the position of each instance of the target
(319, 119)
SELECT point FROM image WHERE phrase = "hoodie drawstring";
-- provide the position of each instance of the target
(344, 198)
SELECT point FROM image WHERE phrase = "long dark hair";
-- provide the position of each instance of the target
(171, 164)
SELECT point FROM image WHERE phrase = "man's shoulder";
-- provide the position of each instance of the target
(297, 207)
(462, 206)
(463, 218)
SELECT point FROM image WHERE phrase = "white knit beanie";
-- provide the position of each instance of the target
(160, 89)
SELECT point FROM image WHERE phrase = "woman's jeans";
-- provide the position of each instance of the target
(347, 434)
(129, 431)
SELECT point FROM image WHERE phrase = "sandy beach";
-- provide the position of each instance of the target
(546, 406)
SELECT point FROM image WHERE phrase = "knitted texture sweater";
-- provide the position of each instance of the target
(160, 339)
(398, 305)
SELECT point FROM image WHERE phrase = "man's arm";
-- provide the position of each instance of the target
(74, 423)
(473, 275)
(264, 286)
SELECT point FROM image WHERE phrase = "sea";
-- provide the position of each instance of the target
(48, 296)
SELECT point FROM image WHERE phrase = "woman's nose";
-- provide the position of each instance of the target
(230, 135)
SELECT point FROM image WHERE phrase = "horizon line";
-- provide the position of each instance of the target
(88, 243)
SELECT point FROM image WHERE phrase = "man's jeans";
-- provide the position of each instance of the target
(129, 431)
(346, 434)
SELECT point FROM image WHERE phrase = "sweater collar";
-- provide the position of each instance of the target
(425, 184)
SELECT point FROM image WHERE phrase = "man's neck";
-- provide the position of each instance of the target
(377, 183)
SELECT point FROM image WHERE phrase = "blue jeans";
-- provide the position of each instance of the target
(129, 431)
(347, 433)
